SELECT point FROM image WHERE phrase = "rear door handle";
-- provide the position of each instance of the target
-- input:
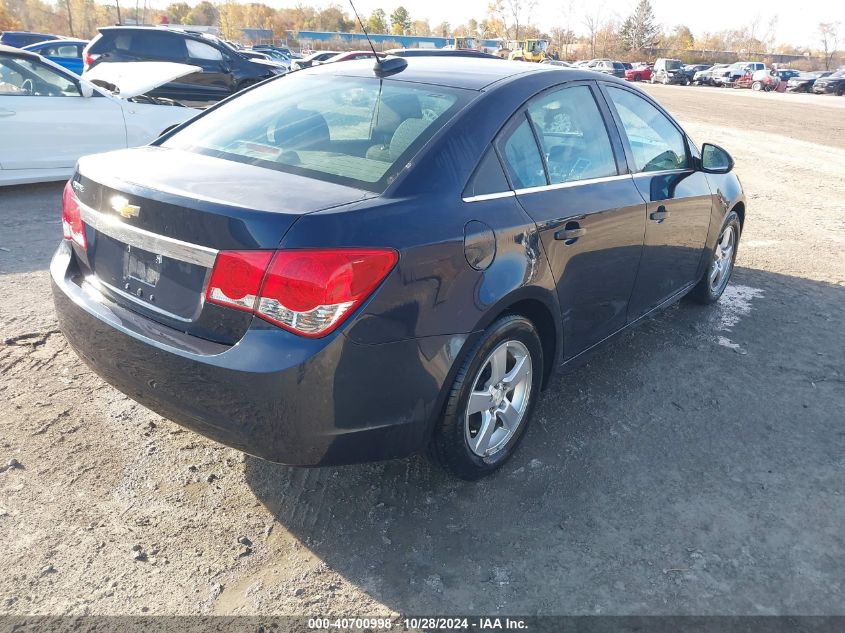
(570, 234)
(5, 112)
(659, 215)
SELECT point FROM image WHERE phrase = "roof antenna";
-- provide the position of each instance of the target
(382, 67)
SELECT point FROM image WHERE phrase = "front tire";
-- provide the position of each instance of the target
(711, 286)
(491, 401)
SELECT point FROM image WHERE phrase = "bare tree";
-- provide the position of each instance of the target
(513, 14)
(770, 38)
(593, 24)
(829, 32)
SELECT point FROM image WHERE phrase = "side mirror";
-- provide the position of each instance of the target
(715, 160)
(86, 89)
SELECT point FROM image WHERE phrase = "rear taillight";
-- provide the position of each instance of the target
(88, 59)
(72, 227)
(236, 278)
(309, 292)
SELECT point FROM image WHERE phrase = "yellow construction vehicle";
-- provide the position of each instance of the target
(529, 50)
(464, 43)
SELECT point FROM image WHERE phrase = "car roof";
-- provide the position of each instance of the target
(26, 33)
(62, 40)
(471, 73)
(176, 30)
(19, 52)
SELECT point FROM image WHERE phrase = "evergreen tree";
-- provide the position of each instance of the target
(639, 30)
(400, 21)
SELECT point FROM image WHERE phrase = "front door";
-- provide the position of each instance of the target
(678, 200)
(215, 80)
(569, 175)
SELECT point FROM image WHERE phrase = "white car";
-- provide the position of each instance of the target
(49, 117)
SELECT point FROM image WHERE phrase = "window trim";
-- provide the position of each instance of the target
(626, 145)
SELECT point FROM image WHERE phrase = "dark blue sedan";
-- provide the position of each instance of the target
(66, 53)
(355, 263)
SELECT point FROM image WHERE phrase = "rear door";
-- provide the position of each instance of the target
(678, 198)
(47, 123)
(568, 170)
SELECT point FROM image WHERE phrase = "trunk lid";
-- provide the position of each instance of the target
(157, 217)
(130, 79)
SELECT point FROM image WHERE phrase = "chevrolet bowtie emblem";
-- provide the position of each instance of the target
(123, 208)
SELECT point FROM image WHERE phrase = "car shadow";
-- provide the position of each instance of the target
(691, 466)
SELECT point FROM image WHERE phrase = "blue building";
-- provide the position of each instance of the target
(379, 39)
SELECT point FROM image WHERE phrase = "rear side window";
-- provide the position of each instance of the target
(488, 177)
(358, 131)
(573, 135)
(655, 141)
(157, 45)
(522, 156)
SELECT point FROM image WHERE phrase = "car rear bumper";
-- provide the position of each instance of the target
(276, 395)
(826, 89)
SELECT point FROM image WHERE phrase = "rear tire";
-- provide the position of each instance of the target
(721, 263)
(757, 86)
(472, 440)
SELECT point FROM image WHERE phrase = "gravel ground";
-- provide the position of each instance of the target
(694, 466)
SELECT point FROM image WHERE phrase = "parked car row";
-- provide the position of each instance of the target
(743, 74)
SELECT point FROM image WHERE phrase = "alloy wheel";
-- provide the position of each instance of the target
(720, 267)
(499, 398)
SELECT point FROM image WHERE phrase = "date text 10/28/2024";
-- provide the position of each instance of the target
(420, 623)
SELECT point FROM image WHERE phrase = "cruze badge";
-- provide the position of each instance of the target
(123, 208)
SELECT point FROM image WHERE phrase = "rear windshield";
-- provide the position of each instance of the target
(349, 130)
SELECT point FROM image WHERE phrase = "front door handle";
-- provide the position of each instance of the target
(5, 112)
(659, 215)
(570, 234)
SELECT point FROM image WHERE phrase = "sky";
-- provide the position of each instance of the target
(796, 24)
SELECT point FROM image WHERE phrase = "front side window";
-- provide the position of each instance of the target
(350, 130)
(573, 135)
(62, 50)
(27, 78)
(655, 141)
